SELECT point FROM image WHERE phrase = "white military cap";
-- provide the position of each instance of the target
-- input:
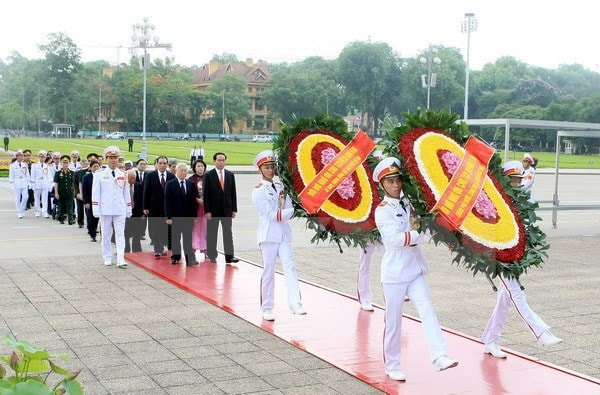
(388, 167)
(513, 168)
(266, 156)
(112, 151)
(528, 158)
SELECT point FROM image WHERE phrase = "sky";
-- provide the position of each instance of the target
(539, 33)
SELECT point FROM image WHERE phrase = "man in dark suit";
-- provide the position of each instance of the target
(181, 207)
(220, 206)
(133, 224)
(154, 204)
(140, 176)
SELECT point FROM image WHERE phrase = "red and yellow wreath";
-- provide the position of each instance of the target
(497, 232)
(303, 151)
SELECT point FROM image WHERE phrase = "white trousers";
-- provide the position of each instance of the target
(510, 292)
(363, 281)
(21, 197)
(418, 292)
(107, 223)
(270, 252)
(41, 200)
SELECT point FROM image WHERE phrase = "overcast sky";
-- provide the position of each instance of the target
(540, 33)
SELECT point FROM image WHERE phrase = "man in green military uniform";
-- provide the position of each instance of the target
(64, 191)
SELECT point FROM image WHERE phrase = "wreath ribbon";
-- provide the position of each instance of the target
(319, 189)
(460, 195)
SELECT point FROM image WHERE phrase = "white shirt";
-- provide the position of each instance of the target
(274, 210)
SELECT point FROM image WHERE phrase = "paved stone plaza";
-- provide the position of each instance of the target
(134, 333)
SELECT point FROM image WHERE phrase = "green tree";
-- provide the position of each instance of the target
(62, 59)
(364, 70)
(227, 95)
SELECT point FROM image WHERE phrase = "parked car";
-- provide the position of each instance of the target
(115, 136)
(262, 138)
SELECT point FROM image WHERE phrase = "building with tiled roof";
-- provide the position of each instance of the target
(256, 76)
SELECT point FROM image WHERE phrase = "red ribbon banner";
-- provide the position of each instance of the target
(461, 193)
(335, 172)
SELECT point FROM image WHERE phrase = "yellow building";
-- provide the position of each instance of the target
(256, 76)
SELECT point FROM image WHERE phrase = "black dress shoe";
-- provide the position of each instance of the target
(157, 255)
(94, 239)
(232, 260)
(191, 264)
(174, 261)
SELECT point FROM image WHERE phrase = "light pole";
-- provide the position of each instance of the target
(143, 40)
(468, 25)
(429, 62)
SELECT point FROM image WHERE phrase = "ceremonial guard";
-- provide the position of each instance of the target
(510, 293)
(111, 202)
(18, 177)
(529, 164)
(274, 237)
(403, 270)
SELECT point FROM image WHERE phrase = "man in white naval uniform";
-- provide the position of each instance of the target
(274, 237)
(111, 202)
(403, 270)
(19, 178)
(39, 177)
(510, 293)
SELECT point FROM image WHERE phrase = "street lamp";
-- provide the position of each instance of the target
(142, 40)
(468, 25)
(429, 62)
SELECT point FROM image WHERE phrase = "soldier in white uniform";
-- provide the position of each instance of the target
(528, 174)
(403, 270)
(274, 237)
(39, 178)
(510, 293)
(19, 178)
(111, 202)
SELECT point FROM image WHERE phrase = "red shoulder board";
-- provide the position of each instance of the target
(383, 203)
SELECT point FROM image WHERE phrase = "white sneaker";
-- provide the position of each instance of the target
(46, 215)
(444, 362)
(268, 315)
(122, 265)
(367, 306)
(297, 309)
(19, 215)
(492, 348)
(397, 375)
(547, 339)
(107, 263)
(37, 215)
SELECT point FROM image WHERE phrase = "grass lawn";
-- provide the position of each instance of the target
(238, 153)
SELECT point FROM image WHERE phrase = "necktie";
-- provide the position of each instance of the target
(182, 187)
(273, 185)
(221, 180)
(162, 180)
(113, 173)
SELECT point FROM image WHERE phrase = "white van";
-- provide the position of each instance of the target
(261, 138)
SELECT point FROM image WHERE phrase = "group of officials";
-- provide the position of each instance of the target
(169, 200)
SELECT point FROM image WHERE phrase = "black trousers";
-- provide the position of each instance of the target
(181, 233)
(79, 208)
(159, 233)
(92, 223)
(212, 229)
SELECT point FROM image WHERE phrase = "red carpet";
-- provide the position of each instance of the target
(337, 331)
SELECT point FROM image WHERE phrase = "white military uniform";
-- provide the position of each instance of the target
(274, 237)
(111, 202)
(41, 187)
(19, 178)
(402, 274)
(510, 292)
(363, 282)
